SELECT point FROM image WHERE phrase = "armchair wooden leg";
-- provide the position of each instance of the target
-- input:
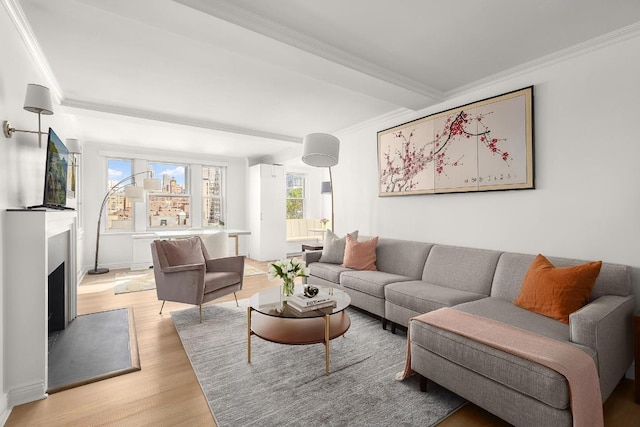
(200, 313)
(162, 306)
(236, 297)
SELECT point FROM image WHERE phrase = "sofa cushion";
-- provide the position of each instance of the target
(369, 282)
(506, 312)
(327, 271)
(531, 379)
(614, 279)
(466, 269)
(423, 297)
(360, 255)
(557, 292)
(402, 257)
(220, 279)
(333, 247)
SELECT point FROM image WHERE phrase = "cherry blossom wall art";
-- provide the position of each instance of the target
(483, 146)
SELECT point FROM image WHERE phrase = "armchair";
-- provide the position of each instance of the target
(185, 272)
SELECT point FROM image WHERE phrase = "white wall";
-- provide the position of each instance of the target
(22, 162)
(116, 247)
(586, 204)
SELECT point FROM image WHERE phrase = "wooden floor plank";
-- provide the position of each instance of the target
(166, 390)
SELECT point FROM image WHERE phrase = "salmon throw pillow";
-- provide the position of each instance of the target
(557, 292)
(360, 255)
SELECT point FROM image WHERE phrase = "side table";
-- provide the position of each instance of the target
(636, 357)
(311, 248)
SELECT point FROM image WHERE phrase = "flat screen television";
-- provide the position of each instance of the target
(55, 173)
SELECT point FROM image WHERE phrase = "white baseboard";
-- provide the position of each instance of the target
(25, 394)
(5, 411)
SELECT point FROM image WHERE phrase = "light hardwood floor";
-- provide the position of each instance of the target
(166, 392)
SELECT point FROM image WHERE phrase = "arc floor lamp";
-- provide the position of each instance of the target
(321, 150)
(134, 194)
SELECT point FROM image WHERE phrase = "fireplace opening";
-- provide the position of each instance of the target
(57, 300)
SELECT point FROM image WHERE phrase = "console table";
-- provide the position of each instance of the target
(142, 242)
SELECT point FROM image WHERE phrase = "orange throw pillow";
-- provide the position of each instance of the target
(360, 255)
(557, 292)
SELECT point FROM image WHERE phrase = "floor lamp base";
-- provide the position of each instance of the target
(98, 271)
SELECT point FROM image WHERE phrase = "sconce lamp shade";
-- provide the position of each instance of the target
(325, 187)
(73, 146)
(320, 150)
(38, 99)
(152, 184)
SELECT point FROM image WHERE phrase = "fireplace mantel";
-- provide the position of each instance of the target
(28, 254)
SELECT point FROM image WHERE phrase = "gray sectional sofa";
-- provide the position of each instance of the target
(416, 277)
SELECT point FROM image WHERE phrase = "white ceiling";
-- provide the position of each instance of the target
(250, 78)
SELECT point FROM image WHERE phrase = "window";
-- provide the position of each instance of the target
(213, 196)
(119, 210)
(295, 196)
(171, 206)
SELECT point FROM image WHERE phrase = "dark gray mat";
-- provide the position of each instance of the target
(93, 347)
(285, 385)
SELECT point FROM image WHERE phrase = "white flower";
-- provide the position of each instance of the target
(287, 268)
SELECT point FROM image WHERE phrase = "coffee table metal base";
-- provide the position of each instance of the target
(295, 331)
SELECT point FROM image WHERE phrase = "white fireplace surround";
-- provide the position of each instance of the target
(37, 242)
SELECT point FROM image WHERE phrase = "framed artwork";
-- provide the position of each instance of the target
(482, 146)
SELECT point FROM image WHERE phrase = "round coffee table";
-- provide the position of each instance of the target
(270, 318)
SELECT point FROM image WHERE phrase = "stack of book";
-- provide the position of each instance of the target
(302, 304)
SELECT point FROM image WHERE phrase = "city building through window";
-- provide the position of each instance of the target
(119, 214)
(213, 188)
(171, 205)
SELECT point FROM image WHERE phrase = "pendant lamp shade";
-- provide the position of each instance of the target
(38, 99)
(320, 150)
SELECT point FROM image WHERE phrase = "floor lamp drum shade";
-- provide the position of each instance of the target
(320, 150)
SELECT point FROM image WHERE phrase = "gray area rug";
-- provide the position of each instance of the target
(286, 386)
(93, 347)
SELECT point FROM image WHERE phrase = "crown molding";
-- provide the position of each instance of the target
(613, 37)
(230, 12)
(400, 115)
(24, 29)
(175, 119)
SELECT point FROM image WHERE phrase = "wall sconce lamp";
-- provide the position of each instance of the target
(37, 100)
(74, 150)
(321, 150)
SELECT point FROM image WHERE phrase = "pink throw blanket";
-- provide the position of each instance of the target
(574, 364)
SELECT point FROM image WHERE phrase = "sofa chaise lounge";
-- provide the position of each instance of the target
(413, 278)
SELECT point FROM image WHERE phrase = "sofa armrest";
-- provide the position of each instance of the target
(605, 326)
(311, 256)
(181, 283)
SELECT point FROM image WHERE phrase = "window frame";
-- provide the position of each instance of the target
(187, 194)
(303, 199)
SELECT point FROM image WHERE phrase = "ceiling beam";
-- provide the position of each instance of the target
(230, 12)
(175, 119)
